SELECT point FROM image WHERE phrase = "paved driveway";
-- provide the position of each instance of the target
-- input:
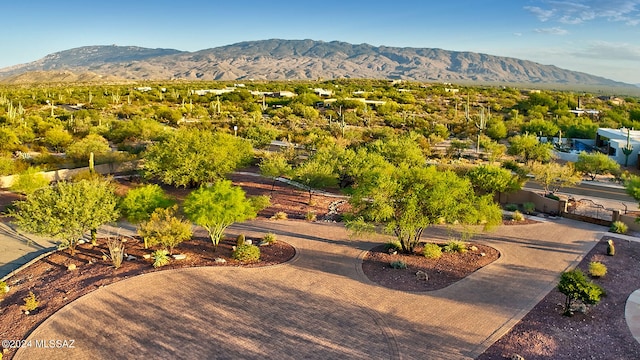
(318, 306)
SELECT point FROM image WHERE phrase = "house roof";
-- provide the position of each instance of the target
(619, 134)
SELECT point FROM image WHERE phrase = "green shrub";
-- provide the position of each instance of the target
(432, 251)
(553, 197)
(4, 289)
(160, 258)
(280, 215)
(30, 302)
(511, 207)
(310, 216)
(29, 181)
(398, 264)
(517, 216)
(529, 207)
(269, 238)
(393, 245)
(619, 227)
(575, 286)
(511, 165)
(165, 228)
(597, 269)
(246, 253)
(240, 240)
(455, 246)
(260, 202)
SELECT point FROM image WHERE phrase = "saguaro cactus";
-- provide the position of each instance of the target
(627, 149)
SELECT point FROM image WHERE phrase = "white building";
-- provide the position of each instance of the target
(612, 141)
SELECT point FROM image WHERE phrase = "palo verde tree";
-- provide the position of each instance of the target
(192, 157)
(595, 164)
(553, 176)
(529, 149)
(491, 179)
(315, 174)
(218, 206)
(139, 203)
(632, 185)
(68, 210)
(408, 200)
(274, 165)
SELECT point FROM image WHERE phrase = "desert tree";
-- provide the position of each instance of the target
(273, 166)
(553, 176)
(529, 148)
(67, 210)
(409, 200)
(575, 286)
(192, 157)
(595, 164)
(218, 206)
(139, 203)
(493, 179)
(81, 150)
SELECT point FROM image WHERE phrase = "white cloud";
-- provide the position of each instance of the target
(608, 51)
(552, 31)
(517, 34)
(580, 11)
(541, 14)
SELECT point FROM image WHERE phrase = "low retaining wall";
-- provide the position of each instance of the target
(64, 174)
(542, 204)
(587, 219)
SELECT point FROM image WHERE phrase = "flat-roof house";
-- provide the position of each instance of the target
(613, 141)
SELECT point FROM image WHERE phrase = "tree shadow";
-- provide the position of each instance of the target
(213, 314)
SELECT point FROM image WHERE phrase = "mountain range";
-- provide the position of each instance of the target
(277, 59)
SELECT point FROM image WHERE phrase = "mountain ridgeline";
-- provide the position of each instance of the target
(298, 59)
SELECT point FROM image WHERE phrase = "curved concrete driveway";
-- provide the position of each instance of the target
(319, 306)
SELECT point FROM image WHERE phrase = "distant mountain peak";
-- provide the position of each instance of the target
(277, 59)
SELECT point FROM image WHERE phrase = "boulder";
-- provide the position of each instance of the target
(421, 275)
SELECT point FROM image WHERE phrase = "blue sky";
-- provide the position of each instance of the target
(598, 37)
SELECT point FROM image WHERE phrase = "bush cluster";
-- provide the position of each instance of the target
(393, 245)
(280, 215)
(269, 238)
(455, 246)
(246, 253)
(4, 289)
(597, 269)
(511, 207)
(517, 216)
(575, 286)
(160, 258)
(619, 227)
(30, 302)
(398, 264)
(432, 251)
(529, 207)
